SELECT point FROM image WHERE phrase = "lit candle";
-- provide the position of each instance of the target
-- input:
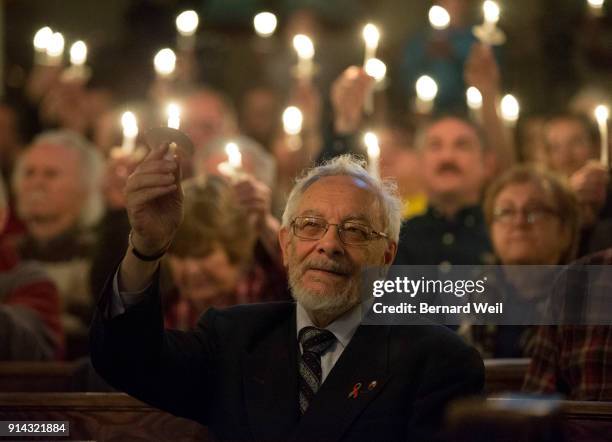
(488, 32)
(187, 24)
(265, 24)
(426, 91)
(292, 124)
(439, 18)
(474, 102)
(596, 7)
(373, 148)
(232, 167)
(165, 63)
(78, 57)
(510, 110)
(602, 113)
(305, 51)
(371, 36)
(130, 132)
(55, 49)
(174, 115)
(376, 69)
(42, 38)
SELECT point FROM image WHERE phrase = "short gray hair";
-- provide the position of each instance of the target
(264, 164)
(352, 166)
(92, 169)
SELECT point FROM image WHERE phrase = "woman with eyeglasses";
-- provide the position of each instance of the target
(533, 220)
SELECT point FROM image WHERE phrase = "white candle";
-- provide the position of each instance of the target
(187, 23)
(602, 113)
(439, 18)
(55, 49)
(78, 57)
(510, 110)
(130, 131)
(371, 36)
(174, 115)
(373, 148)
(165, 63)
(42, 39)
(426, 91)
(376, 69)
(265, 24)
(293, 120)
(305, 51)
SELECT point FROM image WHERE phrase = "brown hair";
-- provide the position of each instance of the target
(563, 197)
(213, 217)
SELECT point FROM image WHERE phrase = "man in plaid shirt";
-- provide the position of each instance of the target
(575, 360)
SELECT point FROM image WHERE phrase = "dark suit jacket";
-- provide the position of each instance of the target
(237, 373)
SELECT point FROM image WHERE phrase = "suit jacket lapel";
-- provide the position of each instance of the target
(270, 383)
(356, 379)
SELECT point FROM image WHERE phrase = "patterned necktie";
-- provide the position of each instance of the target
(314, 343)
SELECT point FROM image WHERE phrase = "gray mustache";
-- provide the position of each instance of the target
(329, 266)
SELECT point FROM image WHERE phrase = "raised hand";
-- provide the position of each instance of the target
(348, 95)
(154, 201)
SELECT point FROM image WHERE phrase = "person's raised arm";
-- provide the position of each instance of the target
(154, 203)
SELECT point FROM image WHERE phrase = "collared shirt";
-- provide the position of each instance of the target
(342, 328)
(433, 239)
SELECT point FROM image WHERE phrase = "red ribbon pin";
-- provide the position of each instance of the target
(355, 392)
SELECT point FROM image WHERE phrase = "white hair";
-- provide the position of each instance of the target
(92, 170)
(264, 164)
(352, 166)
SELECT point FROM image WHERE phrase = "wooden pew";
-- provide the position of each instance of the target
(36, 376)
(100, 417)
(504, 375)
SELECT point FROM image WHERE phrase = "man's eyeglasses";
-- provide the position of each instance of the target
(350, 232)
(507, 215)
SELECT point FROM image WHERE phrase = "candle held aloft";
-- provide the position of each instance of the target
(187, 23)
(510, 110)
(265, 24)
(305, 51)
(488, 33)
(376, 69)
(602, 113)
(370, 139)
(41, 41)
(293, 119)
(174, 116)
(426, 92)
(55, 49)
(165, 63)
(130, 131)
(371, 36)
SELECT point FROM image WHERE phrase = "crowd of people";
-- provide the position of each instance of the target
(470, 195)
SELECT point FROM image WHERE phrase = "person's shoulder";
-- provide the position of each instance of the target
(249, 316)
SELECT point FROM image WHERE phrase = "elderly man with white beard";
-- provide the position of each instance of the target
(305, 370)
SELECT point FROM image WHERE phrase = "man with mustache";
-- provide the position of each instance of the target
(303, 371)
(452, 231)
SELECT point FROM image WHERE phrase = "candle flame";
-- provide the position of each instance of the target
(78, 53)
(55, 48)
(187, 22)
(303, 46)
(265, 24)
(174, 115)
(491, 11)
(234, 157)
(602, 113)
(439, 17)
(371, 35)
(510, 108)
(129, 124)
(42, 38)
(165, 62)
(426, 88)
(474, 98)
(376, 69)
(292, 120)
(371, 142)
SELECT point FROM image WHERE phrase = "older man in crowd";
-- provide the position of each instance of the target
(57, 190)
(30, 327)
(283, 371)
(452, 231)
